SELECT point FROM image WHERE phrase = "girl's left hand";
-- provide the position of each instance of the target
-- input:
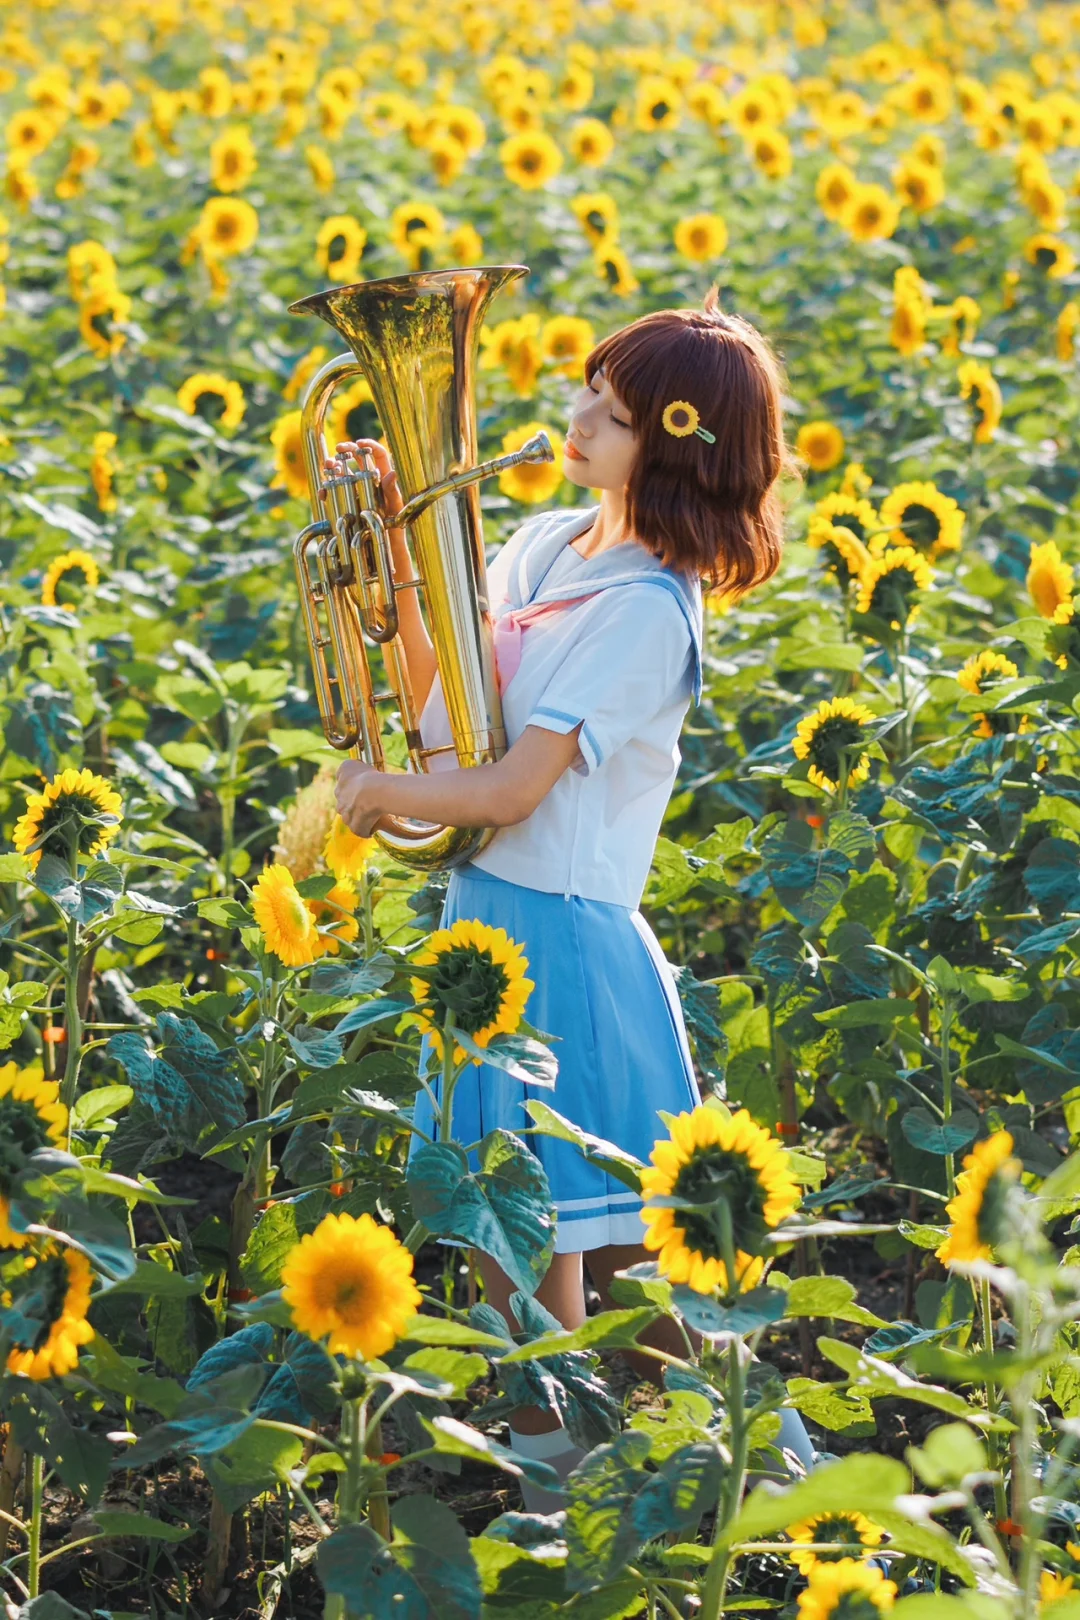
(357, 793)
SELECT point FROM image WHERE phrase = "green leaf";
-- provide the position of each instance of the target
(879, 1379)
(863, 1014)
(923, 1131)
(832, 1408)
(444, 1330)
(14, 868)
(828, 1296)
(506, 1209)
(256, 1462)
(866, 1484)
(947, 1456)
(745, 1314)
(427, 1573)
(607, 1330)
(452, 1438)
(141, 1526)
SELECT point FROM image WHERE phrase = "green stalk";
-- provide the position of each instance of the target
(37, 1493)
(449, 1080)
(1001, 1504)
(72, 1018)
(947, 1088)
(720, 1562)
(1023, 1475)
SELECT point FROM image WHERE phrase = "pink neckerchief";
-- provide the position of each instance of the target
(508, 631)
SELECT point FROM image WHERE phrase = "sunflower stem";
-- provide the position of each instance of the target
(947, 1011)
(449, 1079)
(72, 1017)
(1001, 1504)
(716, 1579)
(37, 1493)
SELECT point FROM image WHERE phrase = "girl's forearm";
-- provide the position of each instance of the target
(476, 797)
(419, 652)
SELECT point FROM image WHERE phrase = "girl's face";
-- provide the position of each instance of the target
(600, 430)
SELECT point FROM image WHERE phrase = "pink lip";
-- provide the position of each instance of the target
(574, 453)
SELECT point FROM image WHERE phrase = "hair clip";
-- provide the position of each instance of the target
(681, 419)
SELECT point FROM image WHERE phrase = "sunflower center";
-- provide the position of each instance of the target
(714, 1173)
(22, 1131)
(596, 220)
(659, 110)
(842, 1533)
(71, 809)
(469, 986)
(1045, 258)
(991, 1218)
(831, 740)
(344, 1294)
(891, 594)
(415, 224)
(855, 1606)
(209, 405)
(338, 248)
(921, 525)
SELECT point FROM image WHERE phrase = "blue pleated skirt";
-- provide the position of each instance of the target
(603, 985)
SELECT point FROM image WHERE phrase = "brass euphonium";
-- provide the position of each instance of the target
(414, 338)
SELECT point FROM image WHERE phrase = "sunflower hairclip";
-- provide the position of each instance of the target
(680, 418)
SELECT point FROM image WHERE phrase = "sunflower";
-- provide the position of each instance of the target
(708, 1157)
(828, 738)
(60, 1281)
(233, 159)
(1050, 254)
(209, 385)
(566, 340)
(447, 157)
(463, 123)
(351, 1282)
(338, 246)
(855, 483)
(82, 561)
(771, 151)
(871, 212)
(850, 510)
(99, 312)
(303, 834)
(479, 978)
(751, 108)
(321, 165)
(1065, 329)
(85, 261)
(289, 455)
(102, 470)
(411, 218)
(846, 1530)
(834, 188)
(963, 315)
(976, 1211)
(227, 226)
(989, 666)
(920, 186)
(1050, 583)
(821, 445)
(532, 481)
(591, 142)
(530, 159)
(701, 237)
(708, 102)
(613, 268)
(31, 1117)
(597, 213)
(1053, 1587)
(843, 552)
(657, 103)
(334, 917)
(466, 245)
(72, 798)
(850, 1589)
(352, 412)
(918, 514)
(345, 852)
(977, 379)
(888, 582)
(28, 132)
(284, 918)
(907, 333)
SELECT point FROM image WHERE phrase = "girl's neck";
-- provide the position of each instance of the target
(609, 527)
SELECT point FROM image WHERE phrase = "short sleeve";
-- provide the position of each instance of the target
(632, 657)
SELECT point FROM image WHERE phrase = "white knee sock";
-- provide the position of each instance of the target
(555, 1448)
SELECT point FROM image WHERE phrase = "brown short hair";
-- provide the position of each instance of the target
(710, 509)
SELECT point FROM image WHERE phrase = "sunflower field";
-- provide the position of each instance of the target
(248, 1367)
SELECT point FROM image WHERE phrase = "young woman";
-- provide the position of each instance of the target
(598, 638)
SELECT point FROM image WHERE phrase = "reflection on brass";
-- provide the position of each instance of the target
(415, 339)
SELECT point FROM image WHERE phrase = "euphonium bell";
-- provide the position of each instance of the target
(414, 338)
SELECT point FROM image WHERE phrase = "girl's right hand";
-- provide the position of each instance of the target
(388, 479)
